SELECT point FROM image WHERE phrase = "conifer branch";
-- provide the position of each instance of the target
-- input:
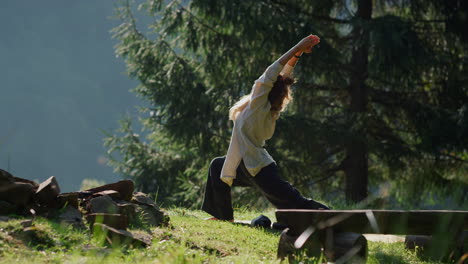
(198, 20)
(297, 10)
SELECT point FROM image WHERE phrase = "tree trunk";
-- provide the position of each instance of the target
(356, 171)
(357, 153)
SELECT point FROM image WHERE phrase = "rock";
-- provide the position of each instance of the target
(17, 193)
(71, 216)
(152, 216)
(6, 177)
(4, 218)
(16, 179)
(128, 209)
(34, 237)
(116, 237)
(145, 237)
(142, 198)
(116, 221)
(26, 223)
(47, 192)
(149, 211)
(115, 195)
(7, 208)
(102, 204)
(125, 188)
(83, 195)
(64, 199)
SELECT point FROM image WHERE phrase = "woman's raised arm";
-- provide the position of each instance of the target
(265, 82)
(305, 45)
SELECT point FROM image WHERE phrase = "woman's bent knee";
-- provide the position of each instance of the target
(217, 163)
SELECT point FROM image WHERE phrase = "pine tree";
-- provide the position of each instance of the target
(385, 92)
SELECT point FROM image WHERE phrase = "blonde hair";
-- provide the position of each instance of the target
(239, 107)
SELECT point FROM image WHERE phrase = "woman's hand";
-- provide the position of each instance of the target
(307, 43)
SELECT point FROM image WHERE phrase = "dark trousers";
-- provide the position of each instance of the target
(280, 193)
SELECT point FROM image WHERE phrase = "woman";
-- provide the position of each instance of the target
(247, 163)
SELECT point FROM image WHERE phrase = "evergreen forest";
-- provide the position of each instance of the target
(380, 109)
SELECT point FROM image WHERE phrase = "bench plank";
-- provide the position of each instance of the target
(414, 222)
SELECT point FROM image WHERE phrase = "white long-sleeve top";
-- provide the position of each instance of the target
(253, 126)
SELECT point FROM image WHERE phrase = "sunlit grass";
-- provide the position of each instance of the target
(188, 239)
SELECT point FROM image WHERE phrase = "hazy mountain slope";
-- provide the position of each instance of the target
(60, 83)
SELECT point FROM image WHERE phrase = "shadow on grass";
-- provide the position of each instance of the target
(266, 230)
(385, 258)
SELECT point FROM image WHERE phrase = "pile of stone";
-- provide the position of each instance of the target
(109, 209)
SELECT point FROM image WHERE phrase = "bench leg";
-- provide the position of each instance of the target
(311, 248)
(416, 241)
(448, 247)
(344, 247)
(286, 244)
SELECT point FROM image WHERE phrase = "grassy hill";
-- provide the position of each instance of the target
(188, 239)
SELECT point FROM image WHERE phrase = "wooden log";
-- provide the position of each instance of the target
(345, 247)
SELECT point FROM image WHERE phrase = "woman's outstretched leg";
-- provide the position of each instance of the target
(280, 192)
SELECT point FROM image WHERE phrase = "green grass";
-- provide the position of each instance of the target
(188, 239)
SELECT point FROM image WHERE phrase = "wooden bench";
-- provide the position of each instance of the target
(339, 232)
